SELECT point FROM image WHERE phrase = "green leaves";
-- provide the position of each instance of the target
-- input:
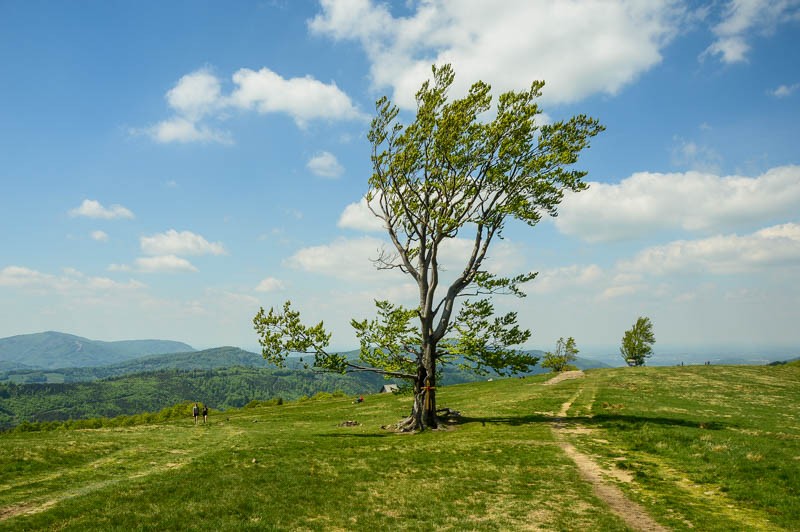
(561, 358)
(483, 341)
(281, 333)
(389, 341)
(637, 342)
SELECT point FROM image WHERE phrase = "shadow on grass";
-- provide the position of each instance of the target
(617, 421)
(346, 435)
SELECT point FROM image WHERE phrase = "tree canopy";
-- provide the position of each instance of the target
(561, 358)
(449, 174)
(637, 342)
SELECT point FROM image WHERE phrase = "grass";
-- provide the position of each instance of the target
(692, 439)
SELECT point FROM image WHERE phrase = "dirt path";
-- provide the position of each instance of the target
(565, 375)
(629, 511)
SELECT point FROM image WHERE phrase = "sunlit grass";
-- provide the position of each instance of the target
(709, 448)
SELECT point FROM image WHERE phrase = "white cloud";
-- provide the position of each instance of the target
(742, 18)
(270, 284)
(692, 201)
(197, 99)
(347, 259)
(785, 90)
(613, 292)
(725, 254)
(350, 259)
(21, 276)
(556, 279)
(507, 44)
(100, 236)
(324, 164)
(303, 99)
(72, 282)
(164, 264)
(93, 209)
(195, 94)
(173, 242)
(358, 216)
(180, 129)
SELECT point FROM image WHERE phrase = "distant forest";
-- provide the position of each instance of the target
(220, 389)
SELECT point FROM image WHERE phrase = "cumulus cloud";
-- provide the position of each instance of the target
(173, 242)
(724, 254)
(196, 94)
(784, 91)
(358, 216)
(507, 44)
(303, 98)
(692, 201)
(183, 130)
(164, 264)
(741, 19)
(325, 164)
(100, 236)
(93, 209)
(270, 284)
(197, 102)
(344, 258)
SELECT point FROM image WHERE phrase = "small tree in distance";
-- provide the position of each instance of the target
(637, 342)
(563, 356)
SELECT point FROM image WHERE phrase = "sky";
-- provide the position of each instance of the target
(168, 168)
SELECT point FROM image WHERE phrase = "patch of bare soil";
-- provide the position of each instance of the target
(565, 375)
(11, 511)
(629, 511)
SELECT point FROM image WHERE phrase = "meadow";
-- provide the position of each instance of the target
(697, 447)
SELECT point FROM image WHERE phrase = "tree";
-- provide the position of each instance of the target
(448, 173)
(565, 353)
(637, 342)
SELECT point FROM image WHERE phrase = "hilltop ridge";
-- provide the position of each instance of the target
(53, 349)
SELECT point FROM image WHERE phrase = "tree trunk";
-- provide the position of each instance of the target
(423, 411)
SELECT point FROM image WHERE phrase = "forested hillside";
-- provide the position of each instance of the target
(153, 391)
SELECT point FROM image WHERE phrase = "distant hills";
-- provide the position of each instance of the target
(49, 350)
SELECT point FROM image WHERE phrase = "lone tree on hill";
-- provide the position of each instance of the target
(637, 342)
(561, 360)
(447, 174)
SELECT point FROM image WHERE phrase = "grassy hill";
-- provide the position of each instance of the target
(59, 350)
(696, 447)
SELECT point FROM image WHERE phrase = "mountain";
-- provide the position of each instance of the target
(48, 350)
(216, 358)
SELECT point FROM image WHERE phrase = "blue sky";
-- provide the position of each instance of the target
(169, 167)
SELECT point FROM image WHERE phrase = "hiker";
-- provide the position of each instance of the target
(195, 412)
(205, 414)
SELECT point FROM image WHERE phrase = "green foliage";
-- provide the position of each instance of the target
(483, 341)
(448, 174)
(562, 358)
(637, 342)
